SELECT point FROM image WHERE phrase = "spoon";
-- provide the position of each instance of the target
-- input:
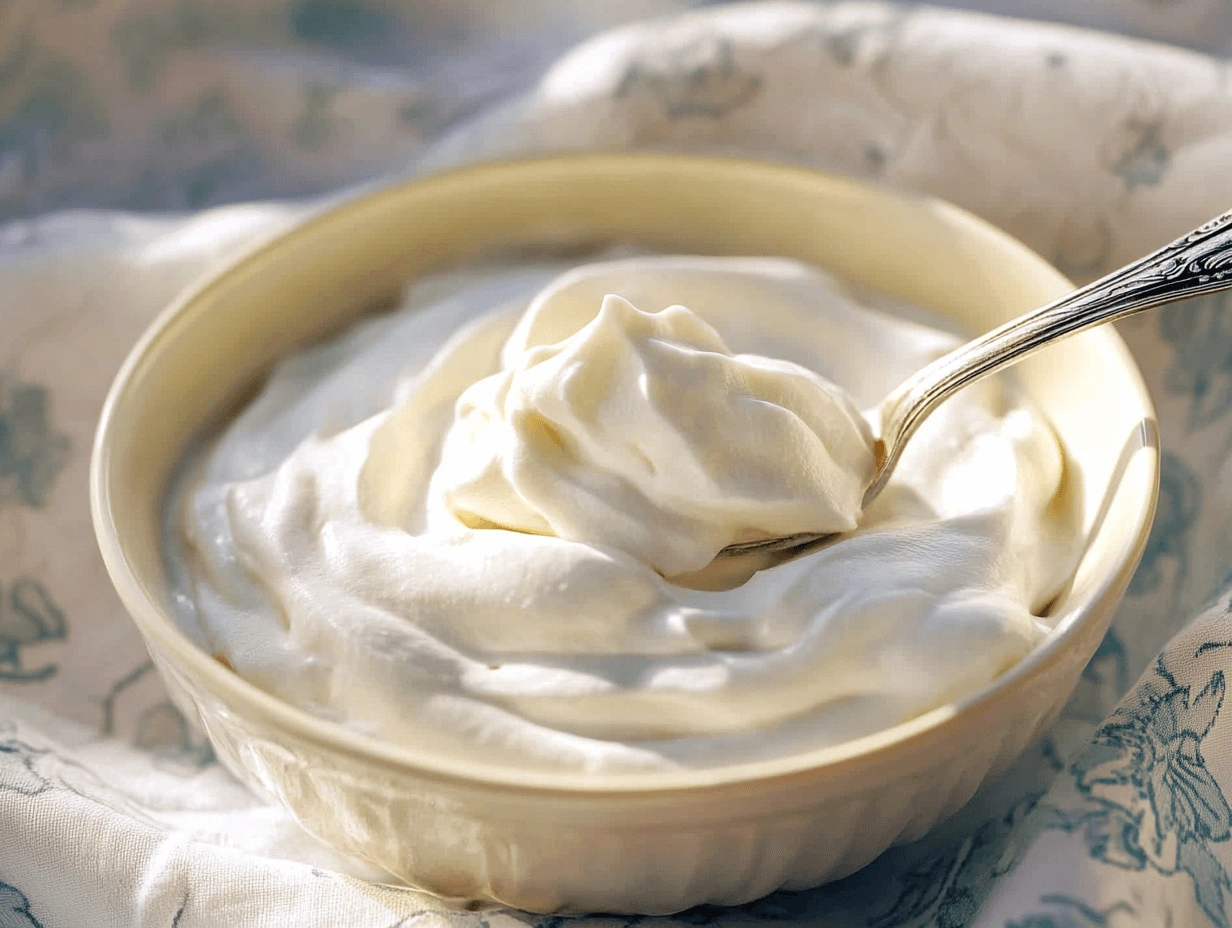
(1197, 263)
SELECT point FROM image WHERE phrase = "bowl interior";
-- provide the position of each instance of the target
(205, 353)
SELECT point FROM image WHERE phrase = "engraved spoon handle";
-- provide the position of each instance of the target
(1197, 263)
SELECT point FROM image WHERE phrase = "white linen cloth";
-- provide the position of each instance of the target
(1092, 148)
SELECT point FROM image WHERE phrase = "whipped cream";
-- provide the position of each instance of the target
(484, 524)
(642, 431)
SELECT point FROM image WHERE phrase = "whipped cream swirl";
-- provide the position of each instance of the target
(484, 524)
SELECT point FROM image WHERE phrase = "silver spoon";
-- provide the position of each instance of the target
(1197, 263)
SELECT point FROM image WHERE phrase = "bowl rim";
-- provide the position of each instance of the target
(158, 626)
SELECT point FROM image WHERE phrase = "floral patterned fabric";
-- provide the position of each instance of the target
(1092, 147)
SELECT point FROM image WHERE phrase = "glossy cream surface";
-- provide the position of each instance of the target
(481, 524)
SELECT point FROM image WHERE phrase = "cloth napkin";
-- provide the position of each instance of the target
(1091, 147)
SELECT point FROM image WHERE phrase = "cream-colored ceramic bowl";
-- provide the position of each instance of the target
(648, 843)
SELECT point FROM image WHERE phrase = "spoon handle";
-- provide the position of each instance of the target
(1197, 263)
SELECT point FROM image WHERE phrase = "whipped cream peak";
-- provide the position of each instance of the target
(642, 431)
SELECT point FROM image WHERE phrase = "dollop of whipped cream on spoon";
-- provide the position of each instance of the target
(642, 431)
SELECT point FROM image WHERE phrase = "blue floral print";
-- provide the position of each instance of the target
(32, 452)
(28, 617)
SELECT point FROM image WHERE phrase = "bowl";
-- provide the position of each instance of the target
(649, 843)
